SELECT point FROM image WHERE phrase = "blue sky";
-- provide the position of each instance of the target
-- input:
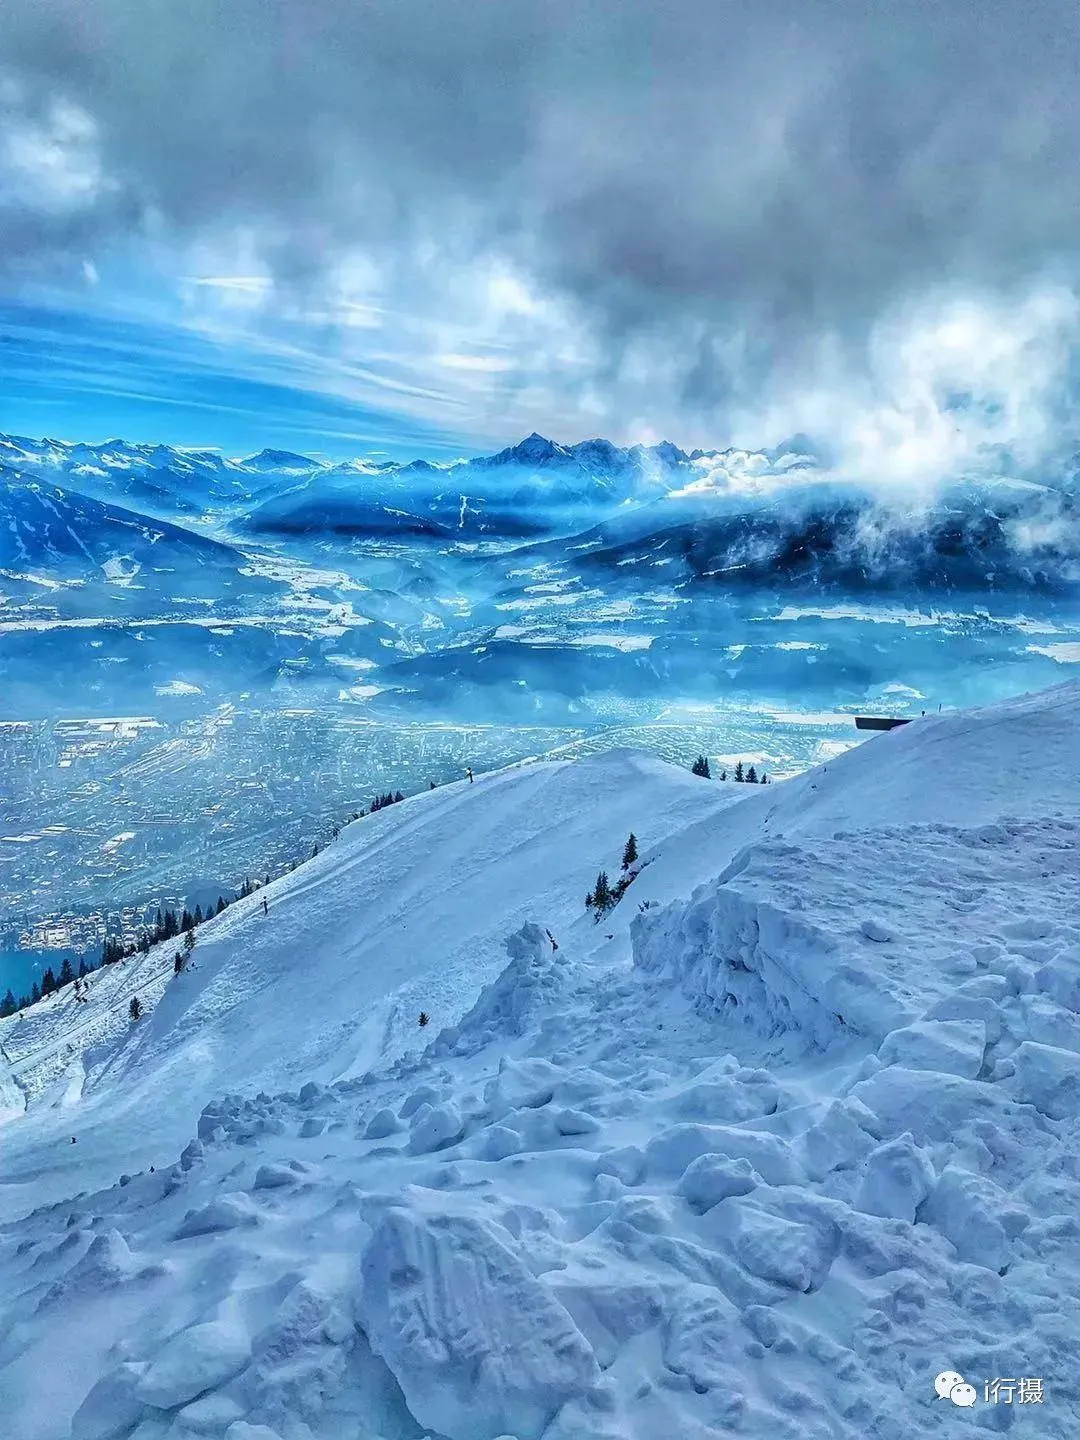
(77, 374)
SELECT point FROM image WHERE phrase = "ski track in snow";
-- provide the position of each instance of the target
(761, 1159)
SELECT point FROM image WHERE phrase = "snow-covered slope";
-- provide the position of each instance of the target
(787, 1135)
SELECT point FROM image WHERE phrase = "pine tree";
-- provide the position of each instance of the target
(723, 774)
(220, 903)
(24, 1001)
(431, 784)
(135, 1008)
(7, 1006)
(189, 942)
(48, 982)
(83, 969)
(178, 963)
(67, 974)
(602, 893)
(197, 918)
(35, 993)
(739, 772)
(398, 798)
(186, 921)
(751, 776)
(629, 854)
(764, 778)
(589, 901)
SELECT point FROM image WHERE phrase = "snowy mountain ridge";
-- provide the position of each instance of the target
(763, 1155)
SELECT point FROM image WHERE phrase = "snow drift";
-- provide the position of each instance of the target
(835, 1158)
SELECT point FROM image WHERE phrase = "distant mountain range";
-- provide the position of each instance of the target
(648, 514)
(527, 489)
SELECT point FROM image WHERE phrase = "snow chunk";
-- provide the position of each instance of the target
(478, 1345)
(522, 1085)
(897, 1179)
(383, 1123)
(212, 1415)
(1048, 1078)
(574, 1122)
(670, 1152)
(876, 930)
(784, 1251)
(198, 1359)
(712, 1178)
(1060, 979)
(111, 1409)
(228, 1212)
(274, 1176)
(440, 1127)
(535, 977)
(953, 1046)
(839, 1140)
(966, 1209)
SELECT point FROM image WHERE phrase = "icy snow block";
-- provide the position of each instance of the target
(198, 1359)
(112, 1408)
(192, 1153)
(932, 1105)
(712, 1178)
(440, 1127)
(425, 1095)
(961, 1006)
(1048, 1078)
(273, 1177)
(784, 1251)
(575, 1122)
(211, 1416)
(626, 1163)
(1060, 979)
(1050, 1024)
(479, 1346)
(727, 1100)
(955, 1047)
(966, 1208)
(670, 1152)
(522, 1085)
(383, 1123)
(897, 1179)
(838, 1141)
(228, 1212)
(241, 1430)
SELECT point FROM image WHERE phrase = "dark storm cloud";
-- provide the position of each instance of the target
(679, 172)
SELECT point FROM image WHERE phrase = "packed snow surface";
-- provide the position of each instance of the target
(786, 1135)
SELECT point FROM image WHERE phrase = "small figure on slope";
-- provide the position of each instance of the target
(469, 774)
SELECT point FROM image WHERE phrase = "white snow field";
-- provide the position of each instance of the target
(763, 1158)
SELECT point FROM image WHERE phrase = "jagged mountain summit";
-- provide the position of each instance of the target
(766, 1148)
